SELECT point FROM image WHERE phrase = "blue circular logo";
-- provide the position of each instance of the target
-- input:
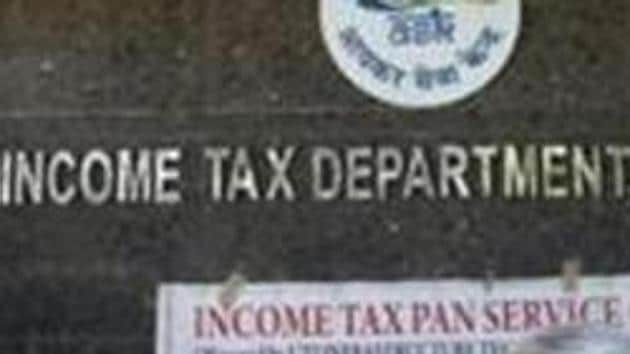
(420, 53)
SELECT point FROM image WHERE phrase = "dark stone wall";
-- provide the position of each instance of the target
(103, 73)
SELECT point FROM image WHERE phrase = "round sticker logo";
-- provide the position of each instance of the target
(420, 53)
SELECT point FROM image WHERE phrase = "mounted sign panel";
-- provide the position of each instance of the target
(381, 318)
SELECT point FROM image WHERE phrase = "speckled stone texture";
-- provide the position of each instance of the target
(94, 73)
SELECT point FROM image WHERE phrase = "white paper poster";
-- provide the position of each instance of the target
(450, 317)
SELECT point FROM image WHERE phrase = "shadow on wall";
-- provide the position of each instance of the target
(93, 22)
(213, 26)
(72, 15)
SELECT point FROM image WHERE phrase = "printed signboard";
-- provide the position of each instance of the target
(381, 318)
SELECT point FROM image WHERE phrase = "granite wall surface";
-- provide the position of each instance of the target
(147, 73)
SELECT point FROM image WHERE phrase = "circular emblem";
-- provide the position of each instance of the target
(420, 53)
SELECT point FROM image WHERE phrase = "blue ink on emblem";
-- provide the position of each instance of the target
(427, 79)
(421, 29)
(479, 52)
(381, 70)
(391, 5)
